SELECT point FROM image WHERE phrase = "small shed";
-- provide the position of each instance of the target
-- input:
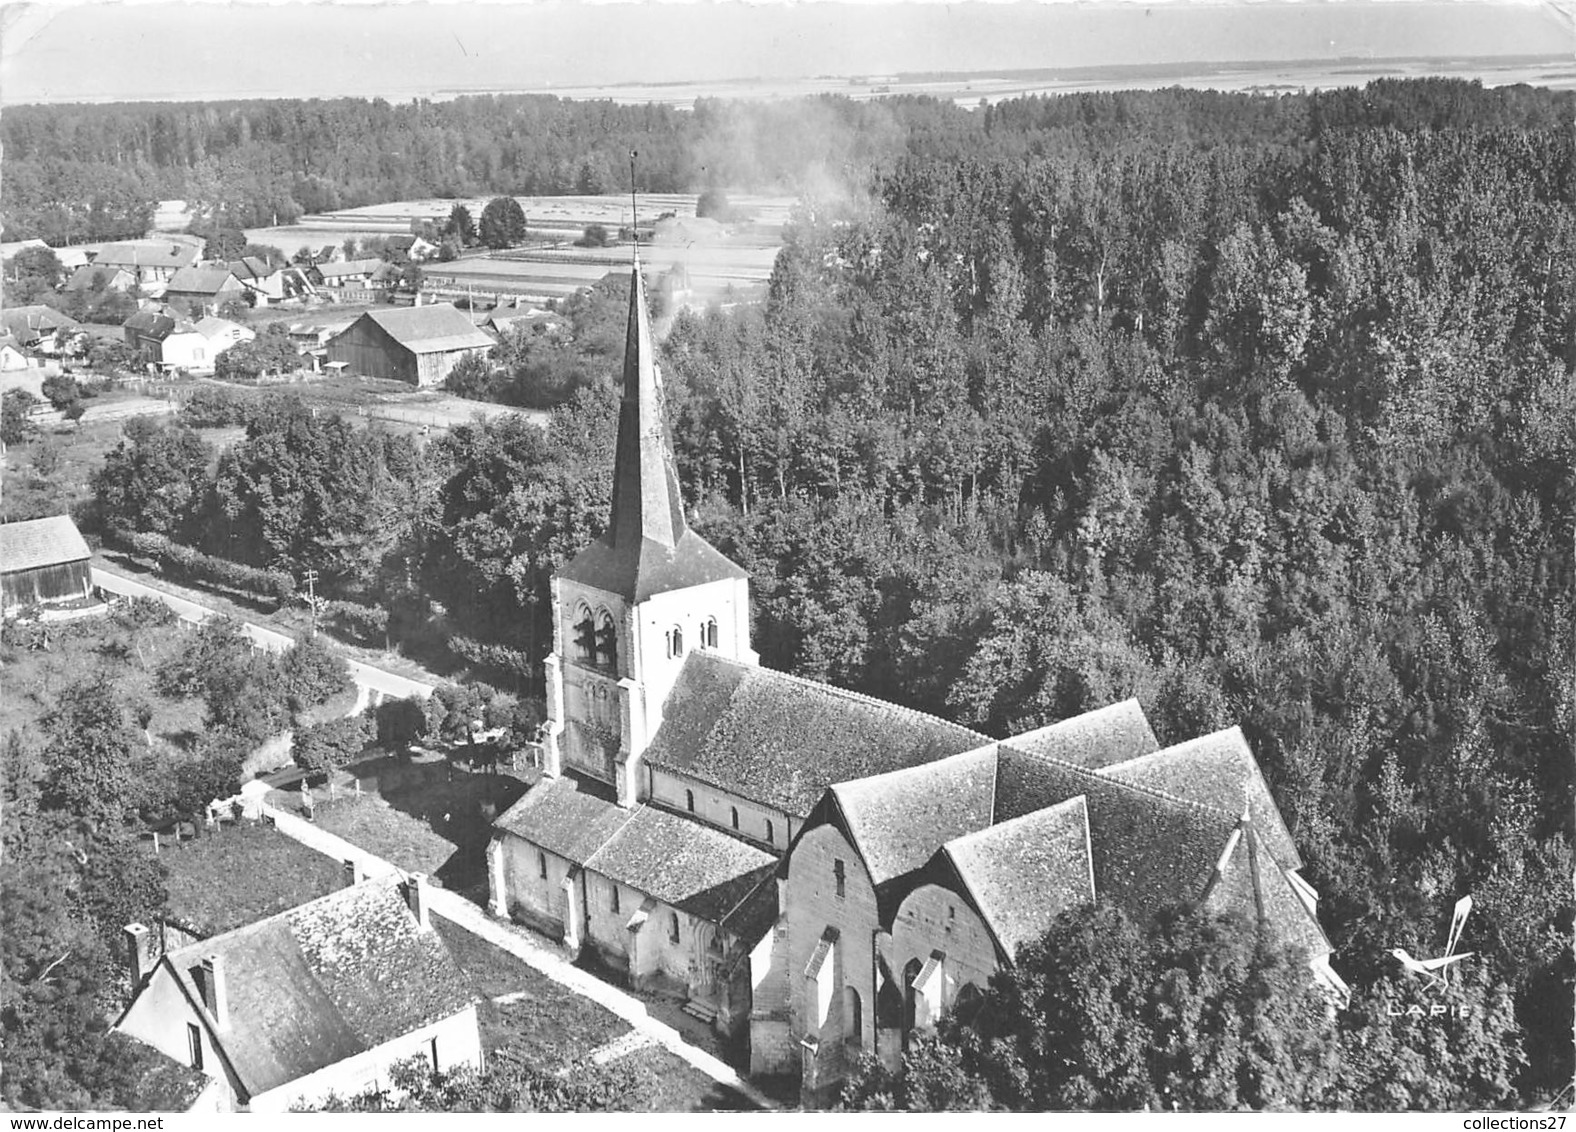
(419, 345)
(43, 562)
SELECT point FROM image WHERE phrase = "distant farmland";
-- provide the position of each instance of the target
(721, 262)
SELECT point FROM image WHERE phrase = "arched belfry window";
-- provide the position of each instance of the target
(673, 927)
(675, 637)
(585, 634)
(708, 634)
(606, 641)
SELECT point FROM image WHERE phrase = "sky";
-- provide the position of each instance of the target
(65, 50)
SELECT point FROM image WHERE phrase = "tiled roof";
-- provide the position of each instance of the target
(325, 981)
(40, 542)
(781, 740)
(653, 569)
(147, 255)
(431, 329)
(899, 819)
(1248, 880)
(568, 816)
(1023, 873)
(147, 1080)
(755, 914)
(251, 267)
(682, 863)
(213, 327)
(201, 280)
(1150, 849)
(31, 321)
(1095, 739)
(154, 323)
(1218, 770)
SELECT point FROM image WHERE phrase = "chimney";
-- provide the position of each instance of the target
(353, 874)
(137, 957)
(214, 995)
(416, 897)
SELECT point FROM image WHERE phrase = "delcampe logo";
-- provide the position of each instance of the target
(1435, 972)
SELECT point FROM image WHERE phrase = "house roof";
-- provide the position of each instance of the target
(213, 327)
(201, 280)
(430, 330)
(1023, 873)
(154, 323)
(899, 818)
(1218, 770)
(147, 1080)
(33, 543)
(568, 816)
(1096, 738)
(25, 322)
(782, 740)
(147, 255)
(325, 981)
(651, 568)
(684, 864)
(82, 278)
(251, 267)
(349, 267)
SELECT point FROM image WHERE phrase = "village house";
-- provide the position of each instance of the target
(43, 562)
(263, 282)
(12, 356)
(419, 345)
(101, 277)
(38, 327)
(322, 999)
(348, 281)
(151, 263)
(203, 289)
(168, 342)
(414, 249)
(913, 857)
(222, 333)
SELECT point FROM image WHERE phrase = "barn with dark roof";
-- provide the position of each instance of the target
(837, 871)
(321, 999)
(43, 562)
(419, 345)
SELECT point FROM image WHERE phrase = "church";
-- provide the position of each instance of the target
(820, 870)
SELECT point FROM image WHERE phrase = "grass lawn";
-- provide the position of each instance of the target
(659, 1081)
(243, 874)
(419, 817)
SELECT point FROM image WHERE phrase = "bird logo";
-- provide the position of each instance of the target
(1437, 971)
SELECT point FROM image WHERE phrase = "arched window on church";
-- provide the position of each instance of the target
(771, 834)
(675, 642)
(689, 800)
(606, 641)
(734, 813)
(708, 634)
(585, 634)
(673, 927)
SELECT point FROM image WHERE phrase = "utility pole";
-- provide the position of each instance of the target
(311, 598)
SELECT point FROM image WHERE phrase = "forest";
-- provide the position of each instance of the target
(1259, 409)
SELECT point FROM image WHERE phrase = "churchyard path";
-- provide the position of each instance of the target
(452, 906)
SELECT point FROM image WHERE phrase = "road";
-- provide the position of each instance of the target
(373, 684)
(453, 906)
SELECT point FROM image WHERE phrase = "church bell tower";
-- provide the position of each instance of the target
(630, 607)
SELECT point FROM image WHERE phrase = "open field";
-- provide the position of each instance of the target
(722, 261)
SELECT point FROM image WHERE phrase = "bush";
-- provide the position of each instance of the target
(313, 674)
(363, 624)
(186, 563)
(400, 722)
(322, 747)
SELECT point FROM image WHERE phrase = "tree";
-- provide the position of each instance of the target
(270, 352)
(15, 425)
(155, 479)
(713, 203)
(313, 673)
(505, 1086)
(88, 757)
(224, 245)
(595, 236)
(321, 747)
(503, 223)
(460, 226)
(60, 389)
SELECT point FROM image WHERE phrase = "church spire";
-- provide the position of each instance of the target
(646, 500)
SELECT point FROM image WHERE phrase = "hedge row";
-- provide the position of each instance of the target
(183, 561)
(364, 624)
(499, 658)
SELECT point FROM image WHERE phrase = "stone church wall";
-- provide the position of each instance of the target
(933, 918)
